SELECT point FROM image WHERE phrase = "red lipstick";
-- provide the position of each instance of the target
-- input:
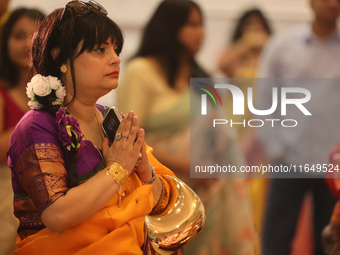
(114, 74)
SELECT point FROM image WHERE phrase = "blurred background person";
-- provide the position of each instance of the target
(158, 77)
(15, 72)
(4, 7)
(4, 12)
(240, 59)
(331, 233)
(156, 85)
(310, 50)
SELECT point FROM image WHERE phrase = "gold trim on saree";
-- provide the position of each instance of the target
(45, 181)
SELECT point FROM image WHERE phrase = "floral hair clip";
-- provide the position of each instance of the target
(68, 126)
(43, 86)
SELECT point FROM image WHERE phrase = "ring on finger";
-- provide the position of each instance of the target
(124, 136)
(118, 136)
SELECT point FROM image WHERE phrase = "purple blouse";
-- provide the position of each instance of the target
(38, 162)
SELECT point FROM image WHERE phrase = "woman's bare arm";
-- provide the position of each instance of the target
(80, 203)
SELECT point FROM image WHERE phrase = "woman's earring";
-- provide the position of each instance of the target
(63, 69)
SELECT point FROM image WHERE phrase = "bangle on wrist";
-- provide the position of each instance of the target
(153, 175)
(117, 172)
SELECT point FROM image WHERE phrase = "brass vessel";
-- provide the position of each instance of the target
(183, 219)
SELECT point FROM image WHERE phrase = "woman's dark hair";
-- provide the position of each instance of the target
(160, 37)
(8, 70)
(243, 19)
(62, 36)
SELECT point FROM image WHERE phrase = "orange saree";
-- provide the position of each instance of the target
(112, 230)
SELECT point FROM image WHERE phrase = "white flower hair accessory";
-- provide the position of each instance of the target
(43, 86)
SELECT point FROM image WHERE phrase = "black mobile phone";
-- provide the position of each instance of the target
(111, 122)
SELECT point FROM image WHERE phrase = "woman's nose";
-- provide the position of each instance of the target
(115, 60)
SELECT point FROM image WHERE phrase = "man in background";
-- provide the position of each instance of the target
(308, 51)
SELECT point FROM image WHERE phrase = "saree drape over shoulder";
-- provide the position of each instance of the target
(38, 160)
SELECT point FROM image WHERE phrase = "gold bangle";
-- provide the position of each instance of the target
(117, 172)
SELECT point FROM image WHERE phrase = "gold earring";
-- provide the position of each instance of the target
(63, 69)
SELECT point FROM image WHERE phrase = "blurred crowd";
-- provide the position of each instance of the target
(245, 216)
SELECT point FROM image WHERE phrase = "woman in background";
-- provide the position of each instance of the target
(14, 75)
(157, 78)
(156, 85)
(240, 59)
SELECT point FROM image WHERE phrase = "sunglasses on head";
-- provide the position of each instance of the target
(81, 8)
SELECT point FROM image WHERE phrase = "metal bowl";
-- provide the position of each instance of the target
(182, 220)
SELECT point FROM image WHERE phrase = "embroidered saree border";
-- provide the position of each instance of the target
(44, 180)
